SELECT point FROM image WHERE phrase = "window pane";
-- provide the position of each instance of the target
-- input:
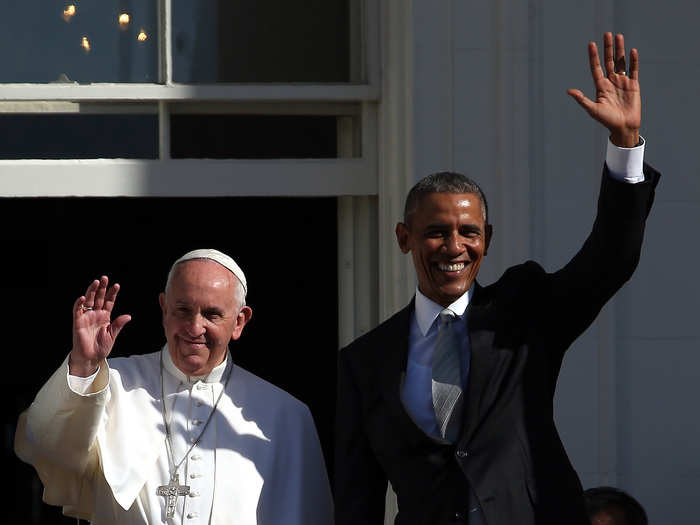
(49, 41)
(253, 136)
(78, 136)
(262, 40)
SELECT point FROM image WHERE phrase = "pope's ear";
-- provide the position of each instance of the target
(241, 320)
(161, 301)
(402, 236)
(489, 235)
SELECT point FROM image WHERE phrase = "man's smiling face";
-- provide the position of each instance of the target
(447, 237)
(201, 315)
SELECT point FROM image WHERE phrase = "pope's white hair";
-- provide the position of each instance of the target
(238, 290)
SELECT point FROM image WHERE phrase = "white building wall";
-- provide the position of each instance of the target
(489, 99)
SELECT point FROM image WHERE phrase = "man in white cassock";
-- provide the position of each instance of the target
(179, 436)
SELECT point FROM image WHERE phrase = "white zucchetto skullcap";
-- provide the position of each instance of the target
(223, 259)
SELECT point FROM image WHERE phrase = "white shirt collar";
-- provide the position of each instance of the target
(215, 376)
(427, 310)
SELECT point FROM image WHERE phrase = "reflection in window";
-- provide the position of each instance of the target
(78, 136)
(73, 41)
(253, 136)
(262, 40)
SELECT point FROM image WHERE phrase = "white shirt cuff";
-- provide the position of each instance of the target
(626, 164)
(81, 385)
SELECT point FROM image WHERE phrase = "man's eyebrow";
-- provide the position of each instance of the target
(442, 225)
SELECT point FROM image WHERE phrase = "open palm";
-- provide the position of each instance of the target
(618, 103)
(94, 332)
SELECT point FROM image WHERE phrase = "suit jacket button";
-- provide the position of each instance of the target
(458, 517)
(462, 453)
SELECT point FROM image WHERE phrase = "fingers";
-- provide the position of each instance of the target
(608, 54)
(90, 294)
(78, 306)
(111, 297)
(620, 65)
(98, 296)
(100, 293)
(594, 61)
(634, 64)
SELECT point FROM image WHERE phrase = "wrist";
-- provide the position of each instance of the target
(82, 368)
(625, 138)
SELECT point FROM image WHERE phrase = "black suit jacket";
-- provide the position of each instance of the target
(509, 452)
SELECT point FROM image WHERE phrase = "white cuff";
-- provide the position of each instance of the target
(81, 385)
(625, 164)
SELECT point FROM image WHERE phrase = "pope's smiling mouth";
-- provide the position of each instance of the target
(194, 343)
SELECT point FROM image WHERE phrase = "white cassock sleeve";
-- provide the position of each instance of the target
(57, 435)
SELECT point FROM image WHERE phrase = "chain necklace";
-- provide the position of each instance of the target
(173, 489)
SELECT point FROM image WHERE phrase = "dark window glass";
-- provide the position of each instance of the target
(74, 136)
(253, 136)
(73, 41)
(262, 40)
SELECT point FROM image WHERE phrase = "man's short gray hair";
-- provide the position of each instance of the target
(443, 182)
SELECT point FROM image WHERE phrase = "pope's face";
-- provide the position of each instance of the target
(201, 315)
(447, 237)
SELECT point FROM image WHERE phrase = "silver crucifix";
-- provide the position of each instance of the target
(171, 491)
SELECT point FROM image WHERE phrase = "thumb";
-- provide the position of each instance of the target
(118, 324)
(583, 101)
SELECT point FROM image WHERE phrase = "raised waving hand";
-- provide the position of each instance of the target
(617, 104)
(94, 331)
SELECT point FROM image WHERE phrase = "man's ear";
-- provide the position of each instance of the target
(241, 320)
(163, 306)
(489, 234)
(402, 236)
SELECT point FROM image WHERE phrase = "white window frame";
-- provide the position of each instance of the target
(168, 177)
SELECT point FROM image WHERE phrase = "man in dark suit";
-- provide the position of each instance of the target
(451, 399)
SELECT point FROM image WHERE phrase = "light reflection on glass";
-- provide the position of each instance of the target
(68, 13)
(124, 20)
(142, 36)
(85, 44)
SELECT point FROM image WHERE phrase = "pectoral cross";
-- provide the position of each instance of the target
(171, 491)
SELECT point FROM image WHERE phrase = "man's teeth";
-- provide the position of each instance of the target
(451, 267)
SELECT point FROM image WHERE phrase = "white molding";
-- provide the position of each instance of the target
(396, 143)
(186, 178)
(191, 92)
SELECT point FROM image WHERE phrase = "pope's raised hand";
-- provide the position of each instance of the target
(617, 103)
(94, 331)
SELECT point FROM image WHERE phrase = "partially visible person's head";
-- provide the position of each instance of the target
(446, 230)
(203, 309)
(611, 506)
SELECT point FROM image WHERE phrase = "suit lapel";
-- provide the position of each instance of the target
(481, 362)
(394, 374)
